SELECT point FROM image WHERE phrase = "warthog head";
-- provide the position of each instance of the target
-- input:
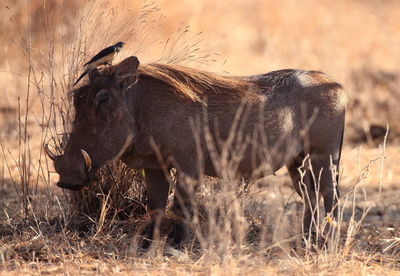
(103, 126)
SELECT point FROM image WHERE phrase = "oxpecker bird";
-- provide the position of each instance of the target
(104, 57)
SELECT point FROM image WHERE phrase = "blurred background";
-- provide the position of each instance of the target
(356, 42)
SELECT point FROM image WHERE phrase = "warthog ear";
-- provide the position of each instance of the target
(126, 73)
(93, 74)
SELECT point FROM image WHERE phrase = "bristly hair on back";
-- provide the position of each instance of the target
(192, 83)
(187, 82)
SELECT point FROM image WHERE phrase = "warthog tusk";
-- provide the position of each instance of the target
(48, 152)
(88, 161)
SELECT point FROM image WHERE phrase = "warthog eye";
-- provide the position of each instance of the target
(101, 98)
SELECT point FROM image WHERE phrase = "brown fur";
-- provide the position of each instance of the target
(189, 83)
(161, 116)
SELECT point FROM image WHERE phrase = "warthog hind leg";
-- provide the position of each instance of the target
(303, 185)
(311, 182)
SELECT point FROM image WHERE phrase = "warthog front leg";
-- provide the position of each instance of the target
(157, 188)
(184, 201)
(182, 209)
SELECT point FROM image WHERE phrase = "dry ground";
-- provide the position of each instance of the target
(44, 230)
(50, 241)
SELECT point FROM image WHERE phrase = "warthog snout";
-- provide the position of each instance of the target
(72, 187)
(74, 174)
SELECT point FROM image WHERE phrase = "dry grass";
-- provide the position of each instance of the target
(255, 230)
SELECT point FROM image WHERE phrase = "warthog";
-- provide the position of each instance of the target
(157, 117)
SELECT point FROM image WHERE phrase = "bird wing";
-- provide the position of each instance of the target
(103, 60)
(101, 54)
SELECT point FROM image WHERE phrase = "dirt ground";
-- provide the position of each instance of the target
(50, 243)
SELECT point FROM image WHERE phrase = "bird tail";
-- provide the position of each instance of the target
(81, 76)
